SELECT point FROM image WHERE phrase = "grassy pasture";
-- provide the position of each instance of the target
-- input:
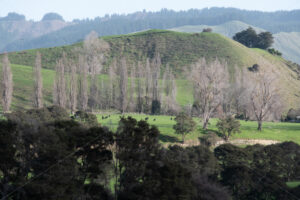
(271, 130)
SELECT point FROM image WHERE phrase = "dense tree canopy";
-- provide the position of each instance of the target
(251, 39)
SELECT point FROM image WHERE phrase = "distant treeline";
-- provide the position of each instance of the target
(280, 21)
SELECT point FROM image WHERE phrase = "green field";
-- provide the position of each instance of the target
(278, 131)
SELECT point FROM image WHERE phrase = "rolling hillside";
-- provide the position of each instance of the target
(285, 42)
(178, 50)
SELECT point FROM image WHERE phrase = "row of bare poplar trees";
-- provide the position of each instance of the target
(128, 88)
(80, 84)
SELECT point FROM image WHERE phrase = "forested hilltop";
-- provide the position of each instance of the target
(280, 21)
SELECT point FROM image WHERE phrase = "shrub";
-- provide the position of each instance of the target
(207, 30)
(210, 139)
(87, 119)
(155, 108)
(228, 126)
(184, 125)
(254, 68)
(274, 52)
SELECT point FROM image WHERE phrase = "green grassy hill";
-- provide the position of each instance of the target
(178, 50)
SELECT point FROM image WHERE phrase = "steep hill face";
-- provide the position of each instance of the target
(285, 42)
(289, 45)
(179, 50)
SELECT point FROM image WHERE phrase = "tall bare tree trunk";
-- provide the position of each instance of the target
(140, 87)
(132, 99)
(73, 88)
(148, 77)
(83, 84)
(59, 90)
(7, 84)
(123, 85)
(259, 125)
(156, 65)
(112, 85)
(170, 91)
(94, 91)
(38, 82)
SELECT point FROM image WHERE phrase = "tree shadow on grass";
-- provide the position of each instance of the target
(167, 138)
(208, 131)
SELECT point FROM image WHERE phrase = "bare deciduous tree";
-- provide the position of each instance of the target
(166, 81)
(240, 99)
(95, 68)
(73, 88)
(170, 91)
(156, 65)
(111, 90)
(38, 82)
(59, 89)
(263, 94)
(94, 49)
(123, 85)
(7, 84)
(83, 84)
(131, 103)
(148, 85)
(210, 80)
(140, 87)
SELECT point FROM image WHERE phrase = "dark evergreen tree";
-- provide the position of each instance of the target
(251, 39)
(247, 37)
(265, 40)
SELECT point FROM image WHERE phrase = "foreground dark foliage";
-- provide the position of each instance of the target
(259, 172)
(45, 158)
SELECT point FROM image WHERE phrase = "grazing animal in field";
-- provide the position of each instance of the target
(102, 117)
(154, 119)
(171, 118)
(146, 118)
